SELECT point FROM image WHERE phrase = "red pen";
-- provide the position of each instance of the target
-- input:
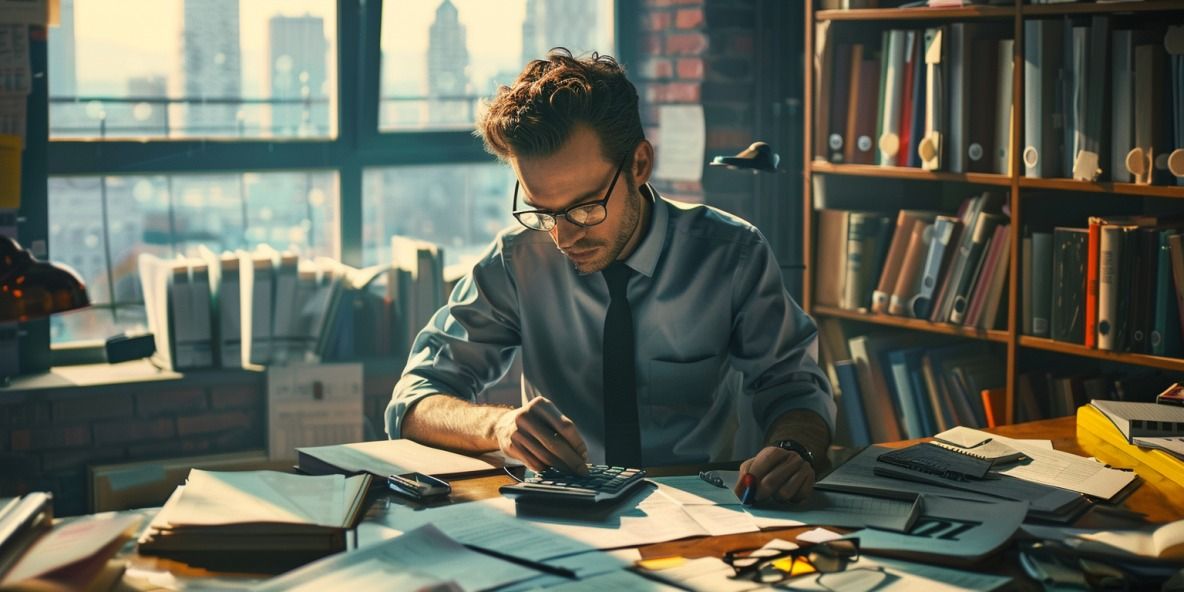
(746, 481)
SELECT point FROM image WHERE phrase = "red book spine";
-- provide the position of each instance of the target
(906, 103)
(1091, 282)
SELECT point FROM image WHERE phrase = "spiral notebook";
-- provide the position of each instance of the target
(978, 445)
(937, 460)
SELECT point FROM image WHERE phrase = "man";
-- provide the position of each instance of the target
(651, 332)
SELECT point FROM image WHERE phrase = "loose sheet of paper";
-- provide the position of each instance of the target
(395, 457)
(1067, 471)
(70, 543)
(619, 581)
(426, 553)
(682, 137)
(312, 405)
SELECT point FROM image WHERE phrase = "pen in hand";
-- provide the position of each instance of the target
(749, 484)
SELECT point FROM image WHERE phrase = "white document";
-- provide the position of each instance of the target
(1174, 446)
(707, 574)
(682, 137)
(690, 490)
(312, 405)
(229, 497)
(426, 553)
(1062, 469)
(396, 457)
(587, 566)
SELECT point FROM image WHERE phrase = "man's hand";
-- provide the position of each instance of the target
(778, 474)
(540, 436)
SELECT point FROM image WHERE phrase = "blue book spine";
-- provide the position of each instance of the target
(920, 392)
(1165, 334)
(900, 385)
(852, 403)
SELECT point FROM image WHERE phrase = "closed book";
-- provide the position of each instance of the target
(1149, 91)
(1043, 120)
(851, 109)
(1042, 260)
(1089, 159)
(995, 404)
(1068, 284)
(864, 135)
(1122, 101)
(893, 95)
(1001, 155)
(201, 314)
(908, 285)
(911, 58)
(1076, 54)
(1124, 320)
(986, 277)
(1165, 333)
(905, 222)
(980, 139)
(1109, 248)
(831, 256)
(959, 51)
(851, 403)
(1026, 285)
(823, 56)
(866, 352)
(840, 96)
(913, 404)
(991, 316)
(1146, 244)
(1092, 275)
(932, 145)
(865, 234)
(984, 229)
(959, 265)
(943, 235)
(917, 104)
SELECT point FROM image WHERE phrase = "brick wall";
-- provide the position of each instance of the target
(701, 52)
(49, 437)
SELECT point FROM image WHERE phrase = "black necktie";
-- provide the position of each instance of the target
(622, 434)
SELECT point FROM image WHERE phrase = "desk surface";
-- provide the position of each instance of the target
(1161, 500)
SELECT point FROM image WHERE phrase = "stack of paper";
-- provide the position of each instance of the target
(255, 521)
(391, 457)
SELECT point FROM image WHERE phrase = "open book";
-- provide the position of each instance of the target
(258, 521)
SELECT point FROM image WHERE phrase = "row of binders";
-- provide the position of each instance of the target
(240, 309)
(902, 385)
(1104, 102)
(936, 99)
(1100, 102)
(1117, 285)
(927, 265)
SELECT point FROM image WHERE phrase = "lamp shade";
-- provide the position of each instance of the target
(32, 289)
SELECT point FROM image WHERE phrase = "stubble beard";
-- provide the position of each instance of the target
(631, 218)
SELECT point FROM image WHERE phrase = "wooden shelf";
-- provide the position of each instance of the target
(1095, 8)
(910, 323)
(917, 14)
(887, 172)
(1073, 349)
(1168, 191)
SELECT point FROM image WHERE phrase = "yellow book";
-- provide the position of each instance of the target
(1090, 420)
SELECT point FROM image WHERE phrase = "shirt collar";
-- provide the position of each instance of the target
(644, 258)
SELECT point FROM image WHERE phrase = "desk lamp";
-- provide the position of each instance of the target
(757, 157)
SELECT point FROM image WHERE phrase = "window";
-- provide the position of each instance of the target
(197, 68)
(219, 126)
(440, 58)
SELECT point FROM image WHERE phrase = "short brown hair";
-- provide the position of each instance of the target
(534, 116)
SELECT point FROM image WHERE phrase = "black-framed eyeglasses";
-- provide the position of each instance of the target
(772, 566)
(586, 214)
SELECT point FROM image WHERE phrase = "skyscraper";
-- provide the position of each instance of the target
(211, 67)
(63, 77)
(448, 69)
(558, 23)
(296, 67)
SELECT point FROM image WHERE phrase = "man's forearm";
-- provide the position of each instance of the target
(805, 427)
(449, 422)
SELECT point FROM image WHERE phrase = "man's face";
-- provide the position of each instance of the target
(578, 174)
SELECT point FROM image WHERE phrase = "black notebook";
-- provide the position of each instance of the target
(933, 459)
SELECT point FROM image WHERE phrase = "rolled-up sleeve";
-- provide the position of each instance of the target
(774, 344)
(468, 344)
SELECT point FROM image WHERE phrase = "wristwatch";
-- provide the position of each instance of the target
(795, 446)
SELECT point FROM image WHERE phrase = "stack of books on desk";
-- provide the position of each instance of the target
(1147, 433)
(255, 521)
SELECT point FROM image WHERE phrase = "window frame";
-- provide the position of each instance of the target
(360, 144)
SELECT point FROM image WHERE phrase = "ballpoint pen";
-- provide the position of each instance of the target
(747, 482)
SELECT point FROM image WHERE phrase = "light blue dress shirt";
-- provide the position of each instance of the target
(722, 348)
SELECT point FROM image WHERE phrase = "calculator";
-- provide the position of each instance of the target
(603, 483)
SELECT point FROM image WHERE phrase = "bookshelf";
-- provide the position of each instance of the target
(1027, 199)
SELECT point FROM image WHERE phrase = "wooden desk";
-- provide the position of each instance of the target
(1161, 500)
